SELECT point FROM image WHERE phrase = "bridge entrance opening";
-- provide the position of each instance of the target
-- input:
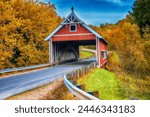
(68, 51)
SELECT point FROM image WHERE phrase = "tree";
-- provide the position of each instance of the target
(23, 26)
(141, 13)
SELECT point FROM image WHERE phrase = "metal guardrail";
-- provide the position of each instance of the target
(75, 89)
(78, 92)
(23, 68)
(30, 67)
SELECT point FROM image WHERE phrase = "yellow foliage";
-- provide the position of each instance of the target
(124, 38)
(23, 26)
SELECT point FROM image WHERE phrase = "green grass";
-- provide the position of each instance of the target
(104, 82)
(112, 87)
(134, 87)
(84, 54)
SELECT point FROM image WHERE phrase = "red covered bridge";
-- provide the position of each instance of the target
(65, 40)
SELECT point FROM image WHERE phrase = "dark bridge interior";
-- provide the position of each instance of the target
(65, 51)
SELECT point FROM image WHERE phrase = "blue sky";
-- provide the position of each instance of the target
(94, 12)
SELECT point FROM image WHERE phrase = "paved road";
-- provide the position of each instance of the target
(19, 83)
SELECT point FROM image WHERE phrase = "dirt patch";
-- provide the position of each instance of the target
(53, 91)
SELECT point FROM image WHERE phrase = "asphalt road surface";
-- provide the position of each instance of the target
(19, 83)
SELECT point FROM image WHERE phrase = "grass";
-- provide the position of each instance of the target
(130, 85)
(104, 82)
(84, 54)
(112, 87)
(134, 87)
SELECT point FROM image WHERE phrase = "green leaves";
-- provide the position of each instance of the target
(141, 12)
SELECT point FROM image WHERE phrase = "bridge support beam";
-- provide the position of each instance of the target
(50, 52)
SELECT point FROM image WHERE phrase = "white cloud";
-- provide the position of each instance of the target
(113, 1)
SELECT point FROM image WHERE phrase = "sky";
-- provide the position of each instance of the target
(94, 12)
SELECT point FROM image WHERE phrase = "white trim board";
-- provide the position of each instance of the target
(84, 34)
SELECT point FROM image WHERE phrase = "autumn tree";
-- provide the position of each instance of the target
(23, 26)
(125, 40)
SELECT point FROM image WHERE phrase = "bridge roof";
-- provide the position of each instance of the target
(73, 19)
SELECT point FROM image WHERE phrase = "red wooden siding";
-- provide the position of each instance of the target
(102, 46)
(64, 34)
(66, 30)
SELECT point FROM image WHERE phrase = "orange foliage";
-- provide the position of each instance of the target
(23, 26)
(125, 39)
